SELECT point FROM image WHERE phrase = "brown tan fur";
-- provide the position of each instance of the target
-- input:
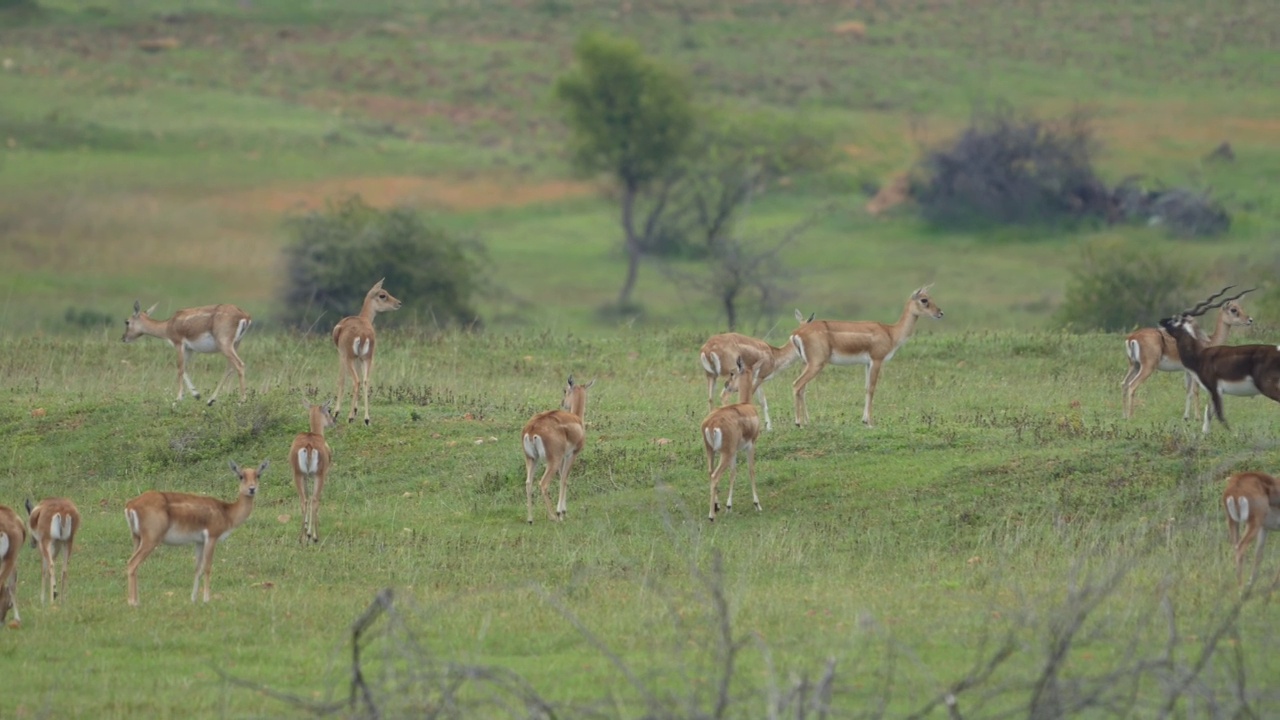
(356, 341)
(555, 437)
(172, 518)
(310, 456)
(728, 431)
(867, 343)
(1152, 349)
(54, 523)
(12, 534)
(719, 356)
(205, 329)
(1250, 502)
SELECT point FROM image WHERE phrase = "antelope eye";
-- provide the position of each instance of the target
(382, 296)
(924, 302)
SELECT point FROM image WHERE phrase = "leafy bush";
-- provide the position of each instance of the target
(1012, 169)
(1118, 287)
(339, 253)
(1183, 212)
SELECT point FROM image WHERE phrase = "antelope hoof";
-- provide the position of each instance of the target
(366, 422)
(194, 394)
(210, 403)
(758, 508)
(711, 518)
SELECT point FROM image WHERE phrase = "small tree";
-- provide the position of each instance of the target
(630, 118)
(338, 253)
(1120, 287)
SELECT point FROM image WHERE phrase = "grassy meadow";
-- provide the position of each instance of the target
(1001, 533)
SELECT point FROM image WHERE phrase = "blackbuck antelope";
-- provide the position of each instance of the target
(1250, 501)
(310, 457)
(207, 329)
(172, 518)
(719, 356)
(1152, 349)
(12, 534)
(53, 522)
(728, 431)
(867, 343)
(555, 437)
(1243, 370)
(355, 339)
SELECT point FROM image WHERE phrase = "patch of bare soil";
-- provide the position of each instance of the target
(451, 194)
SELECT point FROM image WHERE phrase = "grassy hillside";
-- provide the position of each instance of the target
(167, 174)
(998, 481)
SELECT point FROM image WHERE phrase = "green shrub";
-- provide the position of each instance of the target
(340, 252)
(1119, 286)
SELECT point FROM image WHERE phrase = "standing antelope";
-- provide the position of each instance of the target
(310, 457)
(555, 437)
(866, 342)
(12, 534)
(1152, 349)
(720, 353)
(727, 431)
(1243, 370)
(207, 329)
(53, 522)
(1251, 501)
(355, 339)
(172, 518)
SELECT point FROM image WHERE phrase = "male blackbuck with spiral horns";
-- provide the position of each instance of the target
(719, 356)
(728, 431)
(355, 339)
(310, 457)
(53, 522)
(1250, 501)
(1151, 349)
(172, 518)
(555, 437)
(12, 534)
(869, 343)
(206, 329)
(1244, 370)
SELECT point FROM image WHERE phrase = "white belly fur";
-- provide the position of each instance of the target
(1167, 365)
(202, 343)
(1244, 388)
(178, 536)
(855, 359)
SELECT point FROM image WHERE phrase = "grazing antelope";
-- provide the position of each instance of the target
(310, 456)
(1251, 501)
(1243, 370)
(12, 534)
(728, 431)
(1152, 349)
(355, 339)
(53, 522)
(719, 355)
(172, 518)
(866, 342)
(207, 329)
(555, 437)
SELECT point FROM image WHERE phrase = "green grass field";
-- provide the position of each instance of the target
(991, 506)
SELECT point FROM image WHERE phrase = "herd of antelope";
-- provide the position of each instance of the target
(556, 438)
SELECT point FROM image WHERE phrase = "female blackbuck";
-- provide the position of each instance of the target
(1250, 501)
(555, 437)
(719, 356)
(1244, 370)
(867, 343)
(355, 339)
(53, 522)
(207, 329)
(310, 457)
(728, 431)
(171, 518)
(1152, 349)
(12, 534)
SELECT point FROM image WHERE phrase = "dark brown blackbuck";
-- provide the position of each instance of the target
(1242, 370)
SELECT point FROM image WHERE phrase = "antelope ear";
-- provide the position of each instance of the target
(741, 366)
(377, 285)
(304, 403)
(588, 385)
(137, 307)
(570, 381)
(152, 309)
(799, 316)
(263, 467)
(236, 469)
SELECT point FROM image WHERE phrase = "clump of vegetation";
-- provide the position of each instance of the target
(339, 252)
(1183, 212)
(1009, 168)
(1119, 287)
(88, 318)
